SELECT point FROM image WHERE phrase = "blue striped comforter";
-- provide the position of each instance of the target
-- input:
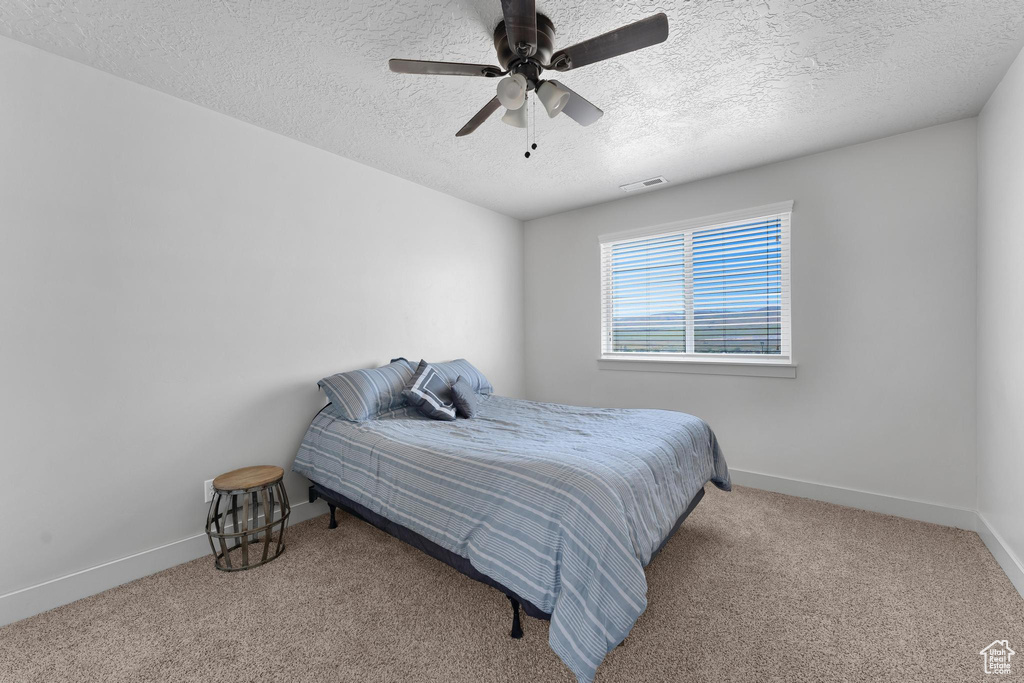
(563, 505)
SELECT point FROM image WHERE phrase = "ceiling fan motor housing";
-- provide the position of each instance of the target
(507, 56)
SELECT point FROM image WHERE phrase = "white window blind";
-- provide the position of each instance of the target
(709, 289)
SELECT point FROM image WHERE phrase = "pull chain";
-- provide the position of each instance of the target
(527, 155)
(527, 105)
(533, 118)
(531, 115)
(533, 111)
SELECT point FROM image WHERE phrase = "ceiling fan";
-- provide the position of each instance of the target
(525, 44)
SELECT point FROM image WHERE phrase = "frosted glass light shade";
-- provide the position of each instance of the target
(553, 97)
(512, 91)
(515, 117)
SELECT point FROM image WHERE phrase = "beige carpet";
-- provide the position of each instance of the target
(755, 587)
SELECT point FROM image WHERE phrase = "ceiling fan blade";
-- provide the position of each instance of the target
(415, 66)
(636, 36)
(521, 25)
(480, 117)
(579, 109)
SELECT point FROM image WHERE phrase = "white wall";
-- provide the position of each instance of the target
(1001, 315)
(173, 283)
(883, 239)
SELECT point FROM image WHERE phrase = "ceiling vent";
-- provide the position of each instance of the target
(644, 184)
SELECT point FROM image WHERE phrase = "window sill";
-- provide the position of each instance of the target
(700, 367)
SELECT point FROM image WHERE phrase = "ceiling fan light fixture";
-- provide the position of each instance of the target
(525, 44)
(512, 91)
(554, 97)
(515, 117)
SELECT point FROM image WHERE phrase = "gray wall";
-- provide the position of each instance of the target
(173, 283)
(1001, 313)
(883, 246)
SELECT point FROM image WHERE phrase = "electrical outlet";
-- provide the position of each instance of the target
(208, 490)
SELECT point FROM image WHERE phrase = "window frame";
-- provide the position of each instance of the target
(770, 365)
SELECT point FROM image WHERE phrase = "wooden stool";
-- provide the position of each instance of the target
(260, 484)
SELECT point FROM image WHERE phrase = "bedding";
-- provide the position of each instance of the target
(464, 398)
(364, 394)
(453, 369)
(563, 505)
(430, 393)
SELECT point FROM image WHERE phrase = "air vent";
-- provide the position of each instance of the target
(644, 184)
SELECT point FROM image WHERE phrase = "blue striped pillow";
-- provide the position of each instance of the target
(452, 370)
(362, 395)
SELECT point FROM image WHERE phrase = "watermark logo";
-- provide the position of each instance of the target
(997, 657)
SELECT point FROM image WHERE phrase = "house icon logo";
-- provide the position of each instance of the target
(997, 657)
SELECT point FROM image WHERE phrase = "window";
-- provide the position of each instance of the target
(714, 289)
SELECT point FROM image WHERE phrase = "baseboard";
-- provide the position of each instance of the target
(29, 601)
(26, 602)
(961, 518)
(1010, 563)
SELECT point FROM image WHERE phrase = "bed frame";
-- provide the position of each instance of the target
(336, 500)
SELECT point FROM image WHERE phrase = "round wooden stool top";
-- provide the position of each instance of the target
(248, 478)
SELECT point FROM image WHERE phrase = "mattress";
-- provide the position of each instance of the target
(562, 505)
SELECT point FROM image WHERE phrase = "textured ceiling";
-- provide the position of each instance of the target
(737, 84)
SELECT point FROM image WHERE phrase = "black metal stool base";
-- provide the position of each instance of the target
(246, 533)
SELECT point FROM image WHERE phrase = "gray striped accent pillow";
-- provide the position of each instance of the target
(430, 393)
(464, 398)
(462, 367)
(362, 395)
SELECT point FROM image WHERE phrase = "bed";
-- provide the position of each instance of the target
(559, 507)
